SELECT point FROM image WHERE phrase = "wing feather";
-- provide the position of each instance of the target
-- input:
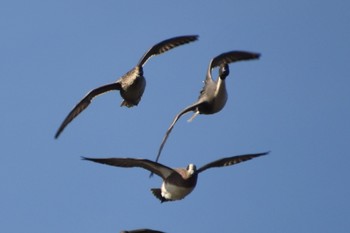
(177, 117)
(229, 57)
(142, 231)
(84, 103)
(230, 161)
(166, 45)
(233, 56)
(157, 168)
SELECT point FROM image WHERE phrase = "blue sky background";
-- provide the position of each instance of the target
(294, 101)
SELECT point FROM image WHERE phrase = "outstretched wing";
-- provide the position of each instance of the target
(84, 103)
(142, 231)
(230, 161)
(157, 168)
(166, 45)
(188, 109)
(233, 56)
(229, 57)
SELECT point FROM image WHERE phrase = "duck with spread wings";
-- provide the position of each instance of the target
(131, 85)
(178, 182)
(213, 96)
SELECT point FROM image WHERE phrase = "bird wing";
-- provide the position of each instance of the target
(142, 231)
(166, 45)
(208, 77)
(187, 109)
(229, 57)
(84, 103)
(157, 168)
(230, 161)
(233, 56)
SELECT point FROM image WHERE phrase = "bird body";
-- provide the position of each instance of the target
(171, 191)
(177, 183)
(133, 85)
(212, 105)
(173, 188)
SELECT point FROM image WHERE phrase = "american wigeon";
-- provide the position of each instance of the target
(213, 96)
(131, 85)
(178, 182)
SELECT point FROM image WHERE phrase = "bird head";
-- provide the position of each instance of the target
(224, 71)
(191, 169)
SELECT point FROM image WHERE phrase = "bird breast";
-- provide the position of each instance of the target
(220, 96)
(214, 97)
(133, 85)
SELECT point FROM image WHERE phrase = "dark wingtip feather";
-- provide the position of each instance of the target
(86, 158)
(193, 37)
(189, 38)
(257, 55)
(89, 159)
(58, 132)
(265, 153)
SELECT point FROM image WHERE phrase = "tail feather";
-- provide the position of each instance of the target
(158, 194)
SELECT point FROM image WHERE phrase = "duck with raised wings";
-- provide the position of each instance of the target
(213, 96)
(131, 85)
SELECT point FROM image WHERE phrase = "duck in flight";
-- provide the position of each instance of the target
(131, 85)
(213, 95)
(178, 182)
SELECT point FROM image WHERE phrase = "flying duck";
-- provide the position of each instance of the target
(213, 95)
(178, 182)
(142, 231)
(131, 85)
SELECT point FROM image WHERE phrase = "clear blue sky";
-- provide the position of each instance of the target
(294, 101)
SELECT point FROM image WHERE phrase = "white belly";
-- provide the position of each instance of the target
(174, 192)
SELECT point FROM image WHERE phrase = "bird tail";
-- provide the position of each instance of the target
(158, 194)
(194, 115)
